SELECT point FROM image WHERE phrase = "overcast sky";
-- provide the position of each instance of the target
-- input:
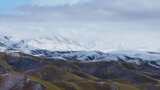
(107, 24)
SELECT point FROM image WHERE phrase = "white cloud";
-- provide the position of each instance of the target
(94, 10)
(56, 2)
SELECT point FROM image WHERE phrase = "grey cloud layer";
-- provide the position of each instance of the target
(95, 10)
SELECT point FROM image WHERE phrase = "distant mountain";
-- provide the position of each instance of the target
(136, 57)
(64, 49)
(56, 43)
(62, 64)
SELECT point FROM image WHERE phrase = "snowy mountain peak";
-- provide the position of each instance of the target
(56, 43)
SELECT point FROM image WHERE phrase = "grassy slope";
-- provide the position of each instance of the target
(121, 86)
(47, 85)
(60, 78)
(4, 64)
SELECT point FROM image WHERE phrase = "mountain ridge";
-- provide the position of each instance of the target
(38, 48)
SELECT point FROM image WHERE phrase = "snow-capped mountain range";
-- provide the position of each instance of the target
(64, 49)
(57, 43)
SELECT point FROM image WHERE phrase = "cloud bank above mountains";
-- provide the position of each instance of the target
(57, 2)
(87, 10)
(106, 24)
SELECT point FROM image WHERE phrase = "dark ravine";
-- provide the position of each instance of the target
(19, 71)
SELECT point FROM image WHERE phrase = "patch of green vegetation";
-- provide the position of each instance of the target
(147, 86)
(54, 74)
(85, 76)
(147, 79)
(125, 86)
(4, 63)
(68, 85)
(129, 66)
(47, 85)
(93, 85)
